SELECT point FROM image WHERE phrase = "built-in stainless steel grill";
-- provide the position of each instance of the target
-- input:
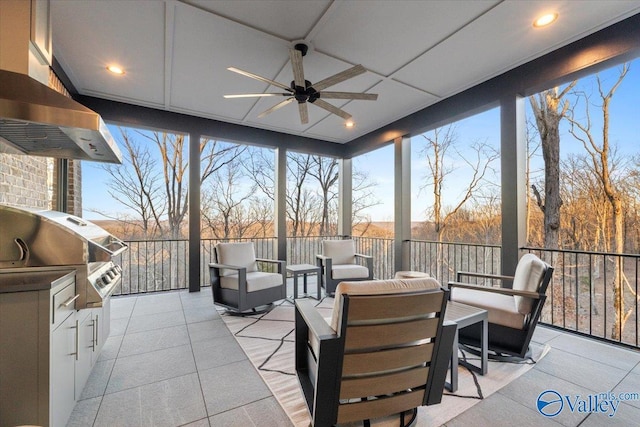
(36, 240)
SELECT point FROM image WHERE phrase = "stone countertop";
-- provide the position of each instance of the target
(32, 279)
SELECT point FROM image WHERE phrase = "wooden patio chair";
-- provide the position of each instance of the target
(385, 352)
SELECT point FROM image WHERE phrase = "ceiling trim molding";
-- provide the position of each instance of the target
(617, 43)
(151, 118)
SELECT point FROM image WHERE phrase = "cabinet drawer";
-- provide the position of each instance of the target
(64, 303)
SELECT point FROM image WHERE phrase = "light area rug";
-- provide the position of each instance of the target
(268, 341)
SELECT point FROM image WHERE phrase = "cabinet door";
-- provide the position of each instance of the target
(86, 345)
(103, 326)
(62, 367)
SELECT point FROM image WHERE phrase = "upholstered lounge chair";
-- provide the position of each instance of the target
(384, 352)
(513, 313)
(339, 262)
(238, 284)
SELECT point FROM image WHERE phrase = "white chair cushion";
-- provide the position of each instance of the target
(528, 277)
(349, 271)
(238, 255)
(501, 308)
(340, 251)
(376, 287)
(256, 281)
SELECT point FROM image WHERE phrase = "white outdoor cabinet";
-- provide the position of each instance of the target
(86, 349)
(38, 348)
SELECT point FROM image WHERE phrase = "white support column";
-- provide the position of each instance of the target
(280, 208)
(402, 203)
(514, 192)
(345, 196)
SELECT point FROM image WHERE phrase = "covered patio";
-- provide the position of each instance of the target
(171, 359)
(172, 348)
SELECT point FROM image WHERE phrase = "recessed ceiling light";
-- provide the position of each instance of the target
(544, 20)
(349, 124)
(116, 70)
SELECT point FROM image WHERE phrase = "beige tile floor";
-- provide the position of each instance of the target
(171, 361)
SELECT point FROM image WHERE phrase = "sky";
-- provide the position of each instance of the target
(625, 132)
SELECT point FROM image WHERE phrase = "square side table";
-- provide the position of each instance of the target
(465, 315)
(304, 269)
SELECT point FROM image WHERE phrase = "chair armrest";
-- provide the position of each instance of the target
(440, 363)
(369, 262)
(483, 275)
(281, 264)
(324, 262)
(314, 321)
(230, 267)
(215, 275)
(503, 291)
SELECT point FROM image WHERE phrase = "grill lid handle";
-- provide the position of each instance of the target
(76, 221)
(24, 255)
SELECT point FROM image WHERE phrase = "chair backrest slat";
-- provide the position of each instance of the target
(395, 358)
(383, 384)
(371, 409)
(380, 336)
(394, 306)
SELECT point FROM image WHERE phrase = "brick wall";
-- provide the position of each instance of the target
(24, 181)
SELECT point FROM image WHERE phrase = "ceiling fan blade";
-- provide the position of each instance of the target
(260, 78)
(296, 64)
(253, 95)
(349, 95)
(332, 109)
(340, 77)
(304, 113)
(275, 107)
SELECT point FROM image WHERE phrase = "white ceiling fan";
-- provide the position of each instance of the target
(302, 90)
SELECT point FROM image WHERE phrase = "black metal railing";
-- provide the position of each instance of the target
(593, 293)
(443, 259)
(581, 297)
(162, 265)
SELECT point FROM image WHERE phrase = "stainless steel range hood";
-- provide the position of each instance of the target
(39, 121)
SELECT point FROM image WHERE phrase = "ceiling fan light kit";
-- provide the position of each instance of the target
(303, 91)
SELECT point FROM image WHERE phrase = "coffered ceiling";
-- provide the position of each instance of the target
(176, 53)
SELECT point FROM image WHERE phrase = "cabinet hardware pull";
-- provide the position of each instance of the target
(97, 329)
(77, 340)
(70, 301)
(93, 334)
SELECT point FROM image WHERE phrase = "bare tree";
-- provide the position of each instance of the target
(364, 197)
(437, 151)
(154, 183)
(548, 110)
(225, 203)
(172, 151)
(325, 171)
(598, 149)
(135, 185)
